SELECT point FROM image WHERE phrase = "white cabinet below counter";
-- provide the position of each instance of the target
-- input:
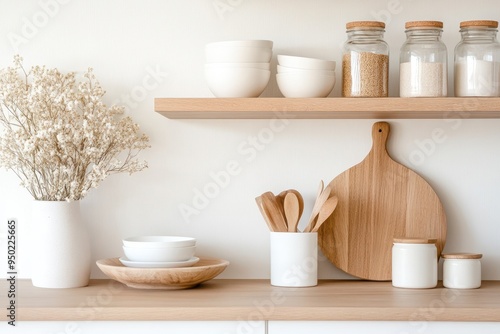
(382, 327)
(134, 327)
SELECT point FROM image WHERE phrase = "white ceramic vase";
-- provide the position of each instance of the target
(61, 248)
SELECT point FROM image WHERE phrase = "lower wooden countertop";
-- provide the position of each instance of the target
(257, 300)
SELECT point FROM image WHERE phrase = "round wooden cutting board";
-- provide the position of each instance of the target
(379, 200)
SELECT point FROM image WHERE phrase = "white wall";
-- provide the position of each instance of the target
(125, 41)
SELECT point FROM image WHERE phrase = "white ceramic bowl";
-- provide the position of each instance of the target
(159, 254)
(237, 82)
(306, 63)
(237, 54)
(305, 84)
(284, 69)
(259, 43)
(159, 241)
(262, 66)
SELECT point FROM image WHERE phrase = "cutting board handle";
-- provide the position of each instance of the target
(380, 134)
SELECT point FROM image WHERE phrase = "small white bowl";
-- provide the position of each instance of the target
(237, 54)
(284, 69)
(237, 82)
(306, 63)
(258, 43)
(303, 85)
(159, 241)
(262, 66)
(158, 254)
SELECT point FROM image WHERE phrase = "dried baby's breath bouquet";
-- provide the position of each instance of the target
(58, 136)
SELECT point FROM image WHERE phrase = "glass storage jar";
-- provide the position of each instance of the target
(365, 60)
(423, 61)
(462, 270)
(477, 59)
(414, 263)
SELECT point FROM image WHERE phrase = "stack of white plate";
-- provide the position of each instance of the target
(238, 68)
(159, 252)
(305, 77)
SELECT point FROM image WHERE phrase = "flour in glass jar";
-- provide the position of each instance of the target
(422, 79)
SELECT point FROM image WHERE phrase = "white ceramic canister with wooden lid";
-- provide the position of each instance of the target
(414, 263)
(462, 270)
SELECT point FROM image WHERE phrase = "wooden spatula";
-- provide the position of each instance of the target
(320, 200)
(275, 212)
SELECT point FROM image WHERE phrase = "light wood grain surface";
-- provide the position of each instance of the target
(324, 108)
(240, 300)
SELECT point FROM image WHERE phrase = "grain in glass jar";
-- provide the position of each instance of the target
(477, 59)
(423, 61)
(365, 60)
(414, 263)
(462, 270)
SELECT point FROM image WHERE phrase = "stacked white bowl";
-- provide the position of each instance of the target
(159, 251)
(305, 77)
(238, 68)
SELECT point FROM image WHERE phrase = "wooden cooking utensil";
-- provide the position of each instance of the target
(292, 211)
(281, 199)
(265, 214)
(317, 206)
(301, 201)
(325, 212)
(320, 188)
(379, 199)
(275, 212)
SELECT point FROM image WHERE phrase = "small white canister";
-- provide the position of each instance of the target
(414, 263)
(462, 270)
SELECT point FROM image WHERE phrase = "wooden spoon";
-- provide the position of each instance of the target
(317, 206)
(282, 195)
(301, 201)
(292, 211)
(325, 212)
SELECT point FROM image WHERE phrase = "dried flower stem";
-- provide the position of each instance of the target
(57, 135)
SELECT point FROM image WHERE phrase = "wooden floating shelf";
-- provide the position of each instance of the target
(234, 299)
(329, 108)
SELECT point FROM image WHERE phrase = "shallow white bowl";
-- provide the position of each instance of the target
(138, 264)
(284, 69)
(159, 241)
(237, 54)
(156, 254)
(307, 84)
(259, 43)
(306, 63)
(237, 82)
(262, 66)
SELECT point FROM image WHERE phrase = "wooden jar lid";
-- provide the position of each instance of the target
(365, 25)
(414, 241)
(479, 23)
(424, 24)
(461, 256)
